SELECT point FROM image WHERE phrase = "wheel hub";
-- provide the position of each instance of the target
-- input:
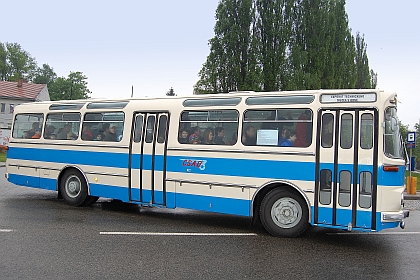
(286, 212)
(73, 186)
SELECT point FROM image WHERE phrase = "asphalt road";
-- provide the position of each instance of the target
(43, 238)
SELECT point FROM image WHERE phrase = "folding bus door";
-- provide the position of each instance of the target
(346, 169)
(148, 158)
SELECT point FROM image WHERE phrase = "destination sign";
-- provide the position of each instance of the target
(348, 98)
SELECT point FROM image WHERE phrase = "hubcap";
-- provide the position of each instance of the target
(73, 186)
(286, 212)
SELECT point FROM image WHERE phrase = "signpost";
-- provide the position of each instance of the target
(411, 144)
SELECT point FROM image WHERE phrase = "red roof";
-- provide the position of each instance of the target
(26, 91)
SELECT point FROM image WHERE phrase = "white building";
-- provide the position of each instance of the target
(14, 93)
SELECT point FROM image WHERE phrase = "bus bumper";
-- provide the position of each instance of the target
(396, 216)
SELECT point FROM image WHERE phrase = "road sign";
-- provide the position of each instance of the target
(411, 139)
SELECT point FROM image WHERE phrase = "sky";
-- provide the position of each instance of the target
(151, 46)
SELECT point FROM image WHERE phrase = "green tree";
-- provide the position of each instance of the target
(322, 47)
(229, 64)
(274, 27)
(44, 75)
(4, 67)
(171, 92)
(20, 63)
(70, 88)
(282, 45)
(364, 79)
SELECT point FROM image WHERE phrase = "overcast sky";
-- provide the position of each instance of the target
(156, 45)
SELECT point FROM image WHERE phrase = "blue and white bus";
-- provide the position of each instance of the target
(329, 158)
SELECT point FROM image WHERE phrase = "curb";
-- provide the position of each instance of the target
(411, 196)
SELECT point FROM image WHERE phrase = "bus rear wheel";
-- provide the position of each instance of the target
(73, 188)
(284, 213)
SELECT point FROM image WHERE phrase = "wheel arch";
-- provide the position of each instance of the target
(64, 170)
(267, 187)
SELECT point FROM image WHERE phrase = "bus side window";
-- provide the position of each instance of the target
(150, 129)
(26, 124)
(162, 129)
(327, 130)
(193, 124)
(138, 129)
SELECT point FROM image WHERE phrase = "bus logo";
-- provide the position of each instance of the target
(197, 163)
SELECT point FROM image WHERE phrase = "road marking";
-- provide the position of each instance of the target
(6, 230)
(374, 233)
(174, 233)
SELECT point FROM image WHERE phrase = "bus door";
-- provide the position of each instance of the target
(346, 166)
(148, 158)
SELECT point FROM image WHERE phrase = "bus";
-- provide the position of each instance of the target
(288, 160)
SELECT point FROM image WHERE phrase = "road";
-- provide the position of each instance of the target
(43, 238)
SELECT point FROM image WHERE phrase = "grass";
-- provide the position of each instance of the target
(2, 157)
(413, 174)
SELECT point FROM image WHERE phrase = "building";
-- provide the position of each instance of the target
(15, 93)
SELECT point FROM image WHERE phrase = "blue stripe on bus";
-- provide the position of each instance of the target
(106, 159)
(287, 170)
(214, 204)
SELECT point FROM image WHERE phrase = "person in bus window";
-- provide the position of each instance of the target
(183, 136)
(63, 132)
(25, 135)
(291, 138)
(71, 136)
(99, 137)
(249, 136)
(48, 131)
(31, 132)
(304, 130)
(87, 133)
(112, 134)
(104, 130)
(53, 136)
(284, 136)
(219, 135)
(208, 136)
(195, 137)
(37, 134)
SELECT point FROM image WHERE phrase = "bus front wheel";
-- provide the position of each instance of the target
(73, 188)
(284, 213)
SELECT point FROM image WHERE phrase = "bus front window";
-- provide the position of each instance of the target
(392, 140)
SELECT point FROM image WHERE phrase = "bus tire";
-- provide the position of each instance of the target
(284, 213)
(73, 188)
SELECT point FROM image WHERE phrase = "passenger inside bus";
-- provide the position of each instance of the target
(219, 135)
(249, 136)
(195, 137)
(304, 130)
(25, 135)
(208, 136)
(49, 131)
(112, 134)
(71, 136)
(283, 136)
(37, 134)
(87, 133)
(31, 132)
(291, 138)
(183, 136)
(63, 132)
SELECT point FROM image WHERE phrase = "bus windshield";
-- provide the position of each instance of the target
(392, 140)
